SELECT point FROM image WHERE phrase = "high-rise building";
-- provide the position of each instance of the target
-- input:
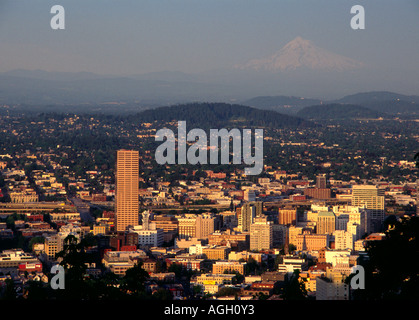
(187, 226)
(349, 215)
(372, 198)
(279, 235)
(343, 240)
(261, 234)
(326, 222)
(127, 175)
(321, 181)
(249, 211)
(287, 216)
(205, 225)
(53, 245)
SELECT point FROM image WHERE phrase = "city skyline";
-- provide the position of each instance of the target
(105, 196)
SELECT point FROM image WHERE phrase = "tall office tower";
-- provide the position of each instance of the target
(372, 198)
(326, 222)
(261, 234)
(127, 174)
(205, 225)
(321, 181)
(249, 211)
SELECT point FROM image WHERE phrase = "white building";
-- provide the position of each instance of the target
(13, 257)
(343, 239)
(337, 257)
(328, 289)
(148, 234)
(291, 263)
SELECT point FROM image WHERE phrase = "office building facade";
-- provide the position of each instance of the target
(127, 175)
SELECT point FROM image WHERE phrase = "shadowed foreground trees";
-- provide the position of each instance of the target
(392, 270)
(80, 286)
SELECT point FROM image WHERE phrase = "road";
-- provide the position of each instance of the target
(82, 208)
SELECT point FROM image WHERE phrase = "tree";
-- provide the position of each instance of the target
(227, 291)
(133, 283)
(162, 294)
(9, 292)
(291, 247)
(392, 269)
(295, 289)
(35, 240)
(238, 278)
(252, 266)
(73, 259)
(36, 291)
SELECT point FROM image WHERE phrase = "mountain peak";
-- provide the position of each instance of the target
(301, 53)
(298, 42)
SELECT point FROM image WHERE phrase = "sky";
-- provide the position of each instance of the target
(123, 37)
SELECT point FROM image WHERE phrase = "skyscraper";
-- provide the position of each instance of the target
(127, 174)
(249, 211)
(321, 181)
(372, 198)
(261, 234)
(326, 222)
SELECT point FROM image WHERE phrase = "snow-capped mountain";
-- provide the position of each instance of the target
(301, 53)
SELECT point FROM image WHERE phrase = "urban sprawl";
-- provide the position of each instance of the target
(207, 238)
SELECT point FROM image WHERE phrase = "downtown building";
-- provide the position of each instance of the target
(261, 234)
(127, 176)
(148, 234)
(287, 216)
(247, 213)
(372, 198)
(320, 191)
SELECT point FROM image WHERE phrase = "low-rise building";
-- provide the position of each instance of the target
(229, 266)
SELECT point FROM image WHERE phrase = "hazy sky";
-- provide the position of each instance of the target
(137, 36)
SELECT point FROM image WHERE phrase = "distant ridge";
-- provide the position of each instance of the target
(385, 101)
(337, 111)
(205, 115)
(281, 104)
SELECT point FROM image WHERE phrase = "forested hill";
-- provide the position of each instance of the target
(384, 101)
(337, 111)
(205, 115)
(281, 104)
